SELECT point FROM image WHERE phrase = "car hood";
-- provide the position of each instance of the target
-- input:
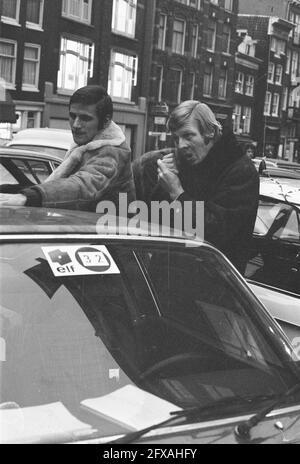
(280, 191)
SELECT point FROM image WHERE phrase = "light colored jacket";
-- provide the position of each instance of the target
(97, 171)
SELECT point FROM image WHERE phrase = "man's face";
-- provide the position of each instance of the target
(84, 122)
(190, 143)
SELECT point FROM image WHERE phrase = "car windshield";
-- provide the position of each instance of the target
(172, 320)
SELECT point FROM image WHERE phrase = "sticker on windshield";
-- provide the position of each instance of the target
(68, 261)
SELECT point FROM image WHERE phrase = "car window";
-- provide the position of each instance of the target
(6, 177)
(173, 321)
(35, 170)
(275, 248)
(291, 229)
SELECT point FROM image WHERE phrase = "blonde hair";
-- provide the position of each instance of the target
(207, 123)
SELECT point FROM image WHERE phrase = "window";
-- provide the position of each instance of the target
(193, 3)
(294, 69)
(278, 74)
(246, 120)
(8, 56)
(194, 43)
(237, 113)
(34, 13)
(297, 29)
(211, 35)
(76, 64)
(31, 65)
(222, 83)
(178, 36)
(278, 46)
(284, 99)
(228, 5)
(78, 10)
(239, 82)
(191, 81)
(215, 2)
(267, 107)
(122, 75)
(162, 29)
(175, 85)
(288, 61)
(124, 17)
(271, 70)
(275, 104)
(208, 79)
(160, 76)
(226, 38)
(10, 11)
(249, 85)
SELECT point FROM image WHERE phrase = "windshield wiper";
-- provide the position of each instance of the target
(242, 430)
(193, 412)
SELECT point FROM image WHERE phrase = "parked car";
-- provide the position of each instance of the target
(105, 332)
(22, 168)
(275, 248)
(51, 141)
(270, 163)
(288, 165)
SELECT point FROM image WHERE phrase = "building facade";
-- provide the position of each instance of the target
(50, 48)
(282, 40)
(193, 57)
(247, 81)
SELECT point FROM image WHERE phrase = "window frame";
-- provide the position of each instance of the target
(11, 85)
(225, 79)
(130, 6)
(277, 101)
(176, 34)
(214, 35)
(63, 52)
(133, 78)
(268, 100)
(39, 25)
(162, 32)
(271, 73)
(179, 91)
(211, 78)
(66, 14)
(276, 75)
(194, 41)
(14, 21)
(239, 82)
(249, 85)
(35, 86)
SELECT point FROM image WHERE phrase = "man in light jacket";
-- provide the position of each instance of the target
(97, 167)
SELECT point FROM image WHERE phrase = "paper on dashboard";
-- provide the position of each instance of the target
(131, 407)
(45, 423)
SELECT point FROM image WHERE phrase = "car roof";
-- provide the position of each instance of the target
(70, 223)
(57, 138)
(8, 151)
(281, 172)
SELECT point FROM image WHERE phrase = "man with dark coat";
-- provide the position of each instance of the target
(207, 166)
(96, 168)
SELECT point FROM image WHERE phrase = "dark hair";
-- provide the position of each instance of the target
(95, 94)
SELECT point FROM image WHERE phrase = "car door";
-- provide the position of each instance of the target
(20, 172)
(275, 249)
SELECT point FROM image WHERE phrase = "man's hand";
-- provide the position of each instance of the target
(10, 199)
(169, 180)
(170, 162)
